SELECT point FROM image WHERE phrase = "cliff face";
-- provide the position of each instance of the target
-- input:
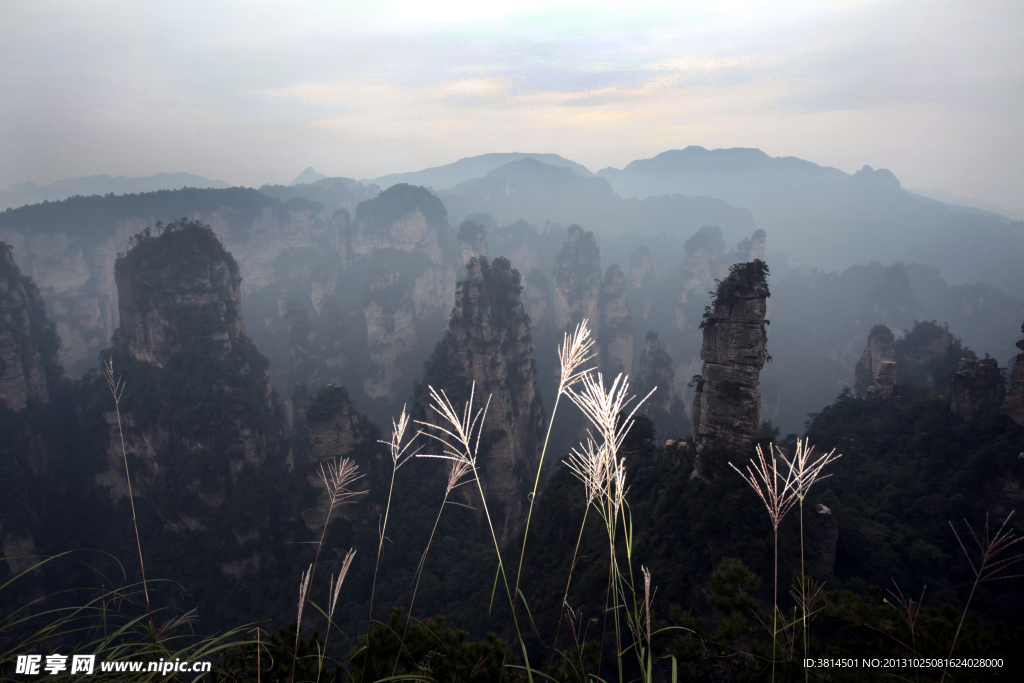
(472, 240)
(577, 280)
(69, 248)
(727, 401)
(700, 265)
(336, 430)
(880, 349)
(977, 386)
(29, 371)
(401, 240)
(1013, 405)
(928, 355)
(641, 282)
(654, 373)
(169, 286)
(615, 332)
(537, 304)
(488, 342)
(197, 413)
(28, 340)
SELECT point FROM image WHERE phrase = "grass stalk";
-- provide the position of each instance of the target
(989, 568)
(778, 495)
(337, 477)
(803, 587)
(116, 389)
(399, 456)
(574, 352)
(457, 439)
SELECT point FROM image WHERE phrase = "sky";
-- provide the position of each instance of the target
(253, 92)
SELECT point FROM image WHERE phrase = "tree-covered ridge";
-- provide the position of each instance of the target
(184, 246)
(396, 202)
(99, 215)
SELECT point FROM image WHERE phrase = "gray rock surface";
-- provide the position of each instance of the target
(727, 401)
(27, 341)
(1013, 405)
(615, 331)
(977, 386)
(488, 343)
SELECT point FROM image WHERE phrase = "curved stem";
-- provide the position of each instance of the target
(960, 625)
(775, 604)
(561, 609)
(419, 574)
(373, 588)
(803, 587)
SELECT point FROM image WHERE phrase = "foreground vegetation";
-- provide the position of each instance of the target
(666, 576)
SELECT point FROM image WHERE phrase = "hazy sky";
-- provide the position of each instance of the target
(252, 92)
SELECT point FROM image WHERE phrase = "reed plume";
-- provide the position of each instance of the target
(989, 566)
(400, 455)
(338, 477)
(806, 471)
(603, 474)
(333, 589)
(778, 494)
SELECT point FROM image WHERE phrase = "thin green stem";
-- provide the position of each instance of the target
(529, 514)
(501, 569)
(373, 588)
(977, 578)
(803, 587)
(561, 609)
(775, 605)
(312, 570)
(131, 498)
(419, 574)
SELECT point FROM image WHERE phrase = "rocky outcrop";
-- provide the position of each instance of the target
(536, 299)
(577, 280)
(880, 349)
(757, 245)
(705, 261)
(173, 284)
(700, 268)
(615, 331)
(654, 373)
(641, 284)
(885, 382)
(928, 355)
(336, 431)
(401, 240)
(68, 248)
(488, 343)
(976, 387)
(197, 414)
(727, 401)
(472, 240)
(28, 340)
(1013, 405)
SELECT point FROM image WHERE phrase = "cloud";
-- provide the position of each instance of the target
(929, 89)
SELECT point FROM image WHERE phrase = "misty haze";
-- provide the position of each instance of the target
(307, 373)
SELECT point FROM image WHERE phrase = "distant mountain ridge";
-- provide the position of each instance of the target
(823, 216)
(307, 177)
(32, 193)
(470, 168)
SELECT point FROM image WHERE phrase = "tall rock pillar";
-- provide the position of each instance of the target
(488, 343)
(727, 402)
